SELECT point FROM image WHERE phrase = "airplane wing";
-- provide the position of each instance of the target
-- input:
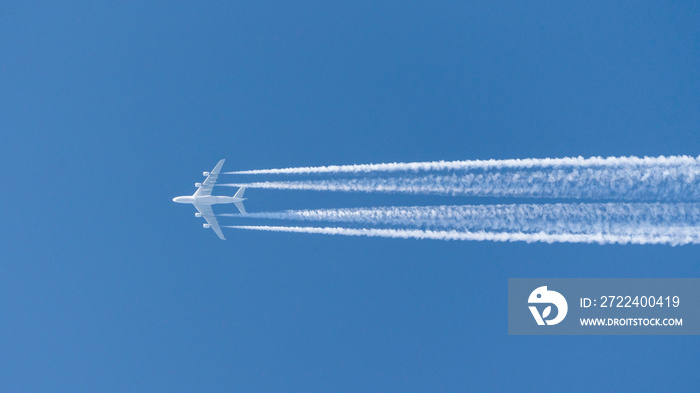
(208, 183)
(208, 215)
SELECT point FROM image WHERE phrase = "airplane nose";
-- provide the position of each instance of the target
(174, 199)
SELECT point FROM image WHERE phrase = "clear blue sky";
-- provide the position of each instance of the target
(109, 111)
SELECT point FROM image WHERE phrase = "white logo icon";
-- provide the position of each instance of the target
(542, 296)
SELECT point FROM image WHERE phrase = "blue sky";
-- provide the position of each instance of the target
(109, 111)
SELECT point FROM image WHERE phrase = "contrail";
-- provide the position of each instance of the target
(651, 220)
(643, 183)
(579, 162)
(674, 181)
(519, 217)
(477, 236)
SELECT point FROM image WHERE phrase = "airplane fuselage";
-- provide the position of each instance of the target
(207, 199)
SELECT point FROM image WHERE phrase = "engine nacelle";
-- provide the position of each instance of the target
(197, 185)
(206, 225)
(205, 173)
(198, 214)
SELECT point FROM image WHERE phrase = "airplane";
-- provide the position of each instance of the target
(202, 199)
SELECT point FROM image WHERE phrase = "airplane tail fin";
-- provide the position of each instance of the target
(240, 207)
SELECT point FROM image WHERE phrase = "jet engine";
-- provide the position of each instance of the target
(206, 225)
(198, 214)
(205, 173)
(197, 185)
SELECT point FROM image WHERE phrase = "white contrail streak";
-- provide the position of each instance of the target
(477, 236)
(667, 183)
(578, 162)
(651, 220)
(512, 217)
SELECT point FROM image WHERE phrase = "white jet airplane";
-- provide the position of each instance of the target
(202, 199)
